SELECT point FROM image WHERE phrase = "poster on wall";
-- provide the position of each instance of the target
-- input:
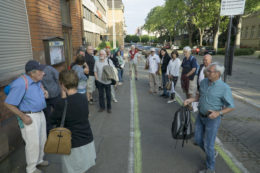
(56, 52)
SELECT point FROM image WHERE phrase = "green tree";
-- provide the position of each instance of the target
(128, 39)
(144, 38)
(135, 38)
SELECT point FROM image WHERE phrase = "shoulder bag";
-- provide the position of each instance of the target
(59, 139)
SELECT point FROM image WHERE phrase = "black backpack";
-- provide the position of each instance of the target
(182, 125)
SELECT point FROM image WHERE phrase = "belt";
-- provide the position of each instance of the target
(30, 112)
(204, 115)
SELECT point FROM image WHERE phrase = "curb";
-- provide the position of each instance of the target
(245, 100)
(230, 160)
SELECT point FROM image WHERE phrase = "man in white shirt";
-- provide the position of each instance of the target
(153, 61)
(207, 59)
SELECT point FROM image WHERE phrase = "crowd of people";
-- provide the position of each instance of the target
(200, 83)
(38, 98)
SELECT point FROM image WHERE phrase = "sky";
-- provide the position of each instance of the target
(136, 12)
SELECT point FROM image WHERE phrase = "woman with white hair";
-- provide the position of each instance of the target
(188, 77)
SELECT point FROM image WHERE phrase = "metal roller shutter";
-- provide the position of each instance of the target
(15, 43)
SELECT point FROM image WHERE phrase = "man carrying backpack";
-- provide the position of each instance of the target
(189, 70)
(215, 100)
(26, 99)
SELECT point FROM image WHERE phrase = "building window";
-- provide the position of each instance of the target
(87, 14)
(252, 32)
(245, 36)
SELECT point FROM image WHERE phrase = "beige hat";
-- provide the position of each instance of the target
(152, 49)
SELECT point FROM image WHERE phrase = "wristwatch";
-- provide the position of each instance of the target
(220, 113)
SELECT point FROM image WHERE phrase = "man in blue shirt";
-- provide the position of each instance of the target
(215, 100)
(26, 99)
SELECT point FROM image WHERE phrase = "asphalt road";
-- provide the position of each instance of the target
(158, 152)
(245, 80)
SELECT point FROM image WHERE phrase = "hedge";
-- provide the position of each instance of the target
(238, 52)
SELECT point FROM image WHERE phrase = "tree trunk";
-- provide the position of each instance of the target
(238, 33)
(190, 30)
(216, 35)
(201, 35)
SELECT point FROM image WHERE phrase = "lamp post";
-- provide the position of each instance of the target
(114, 28)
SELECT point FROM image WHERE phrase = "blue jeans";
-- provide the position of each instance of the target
(164, 81)
(120, 74)
(206, 130)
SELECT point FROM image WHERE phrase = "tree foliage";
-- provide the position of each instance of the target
(177, 17)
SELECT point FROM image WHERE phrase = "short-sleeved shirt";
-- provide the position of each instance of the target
(81, 75)
(188, 64)
(98, 68)
(154, 62)
(31, 99)
(50, 81)
(214, 96)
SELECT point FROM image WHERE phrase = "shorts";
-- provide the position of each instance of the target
(193, 86)
(91, 84)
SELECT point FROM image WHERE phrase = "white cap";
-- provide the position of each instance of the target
(152, 49)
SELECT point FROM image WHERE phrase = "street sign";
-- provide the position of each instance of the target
(232, 7)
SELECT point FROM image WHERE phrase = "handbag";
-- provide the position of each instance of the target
(168, 85)
(59, 139)
(146, 65)
(113, 80)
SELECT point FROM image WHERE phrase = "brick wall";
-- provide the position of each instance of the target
(44, 21)
(76, 22)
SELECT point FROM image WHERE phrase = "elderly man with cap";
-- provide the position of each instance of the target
(26, 99)
(153, 62)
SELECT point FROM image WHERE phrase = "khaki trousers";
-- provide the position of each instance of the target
(153, 82)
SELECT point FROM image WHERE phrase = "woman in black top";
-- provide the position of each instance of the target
(83, 153)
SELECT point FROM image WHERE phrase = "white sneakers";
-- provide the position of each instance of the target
(171, 101)
(44, 163)
(115, 100)
(37, 171)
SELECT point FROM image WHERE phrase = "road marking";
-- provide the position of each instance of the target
(131, 140)
(231, 161)
(135, 152)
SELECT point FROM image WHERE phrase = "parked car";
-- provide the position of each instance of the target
(139, 47)
(207, 50)
(146, 51)
(175, 47)
(195, 50)
(159, 45)
(167, 46)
